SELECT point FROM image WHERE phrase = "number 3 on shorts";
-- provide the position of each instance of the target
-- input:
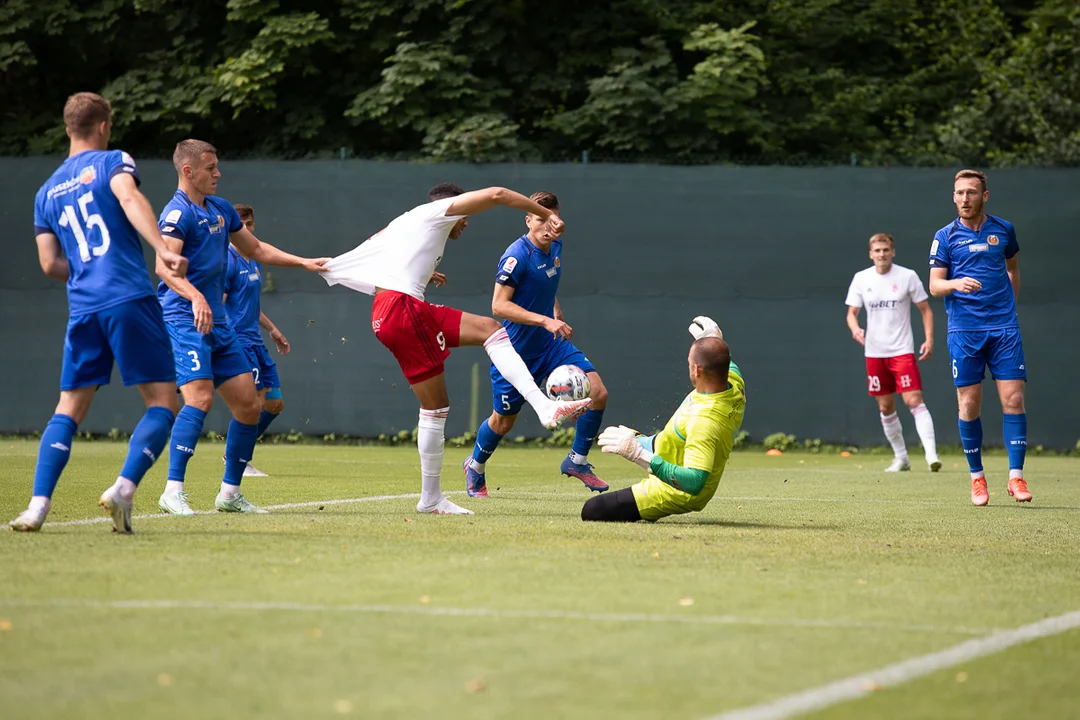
(195, 364)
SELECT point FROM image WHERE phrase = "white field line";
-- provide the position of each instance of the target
(286, 506)
(634, 618)
(858, 686)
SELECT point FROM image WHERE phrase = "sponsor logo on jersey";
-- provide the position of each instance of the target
(168, 229)
(127, 159)
(882, 304)
(173, 216)
(993, 240)
(509, 264)
(934, 247)
(978, 247)
(87, 175)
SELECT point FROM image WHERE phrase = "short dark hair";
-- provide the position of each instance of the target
(246, 212)
(443, 191)
(190, 151)
(712, 355)
(545, 199)
(84, 111)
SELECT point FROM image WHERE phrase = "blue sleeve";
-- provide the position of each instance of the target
(230, 274)
(1011, 246)
(939, 250)
(511, 270)
(118, 161)
(232, 218)
(173, 223)
(41, 224)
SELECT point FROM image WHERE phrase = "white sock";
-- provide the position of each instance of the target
(894, 433)
(924, 424)
(174, 486)
(977, 475)
(1015, 473)
(228, 491)
(39, 503)
(578, 459)
(477, 466)
(126, 488)
(430, 435)
(513, 368)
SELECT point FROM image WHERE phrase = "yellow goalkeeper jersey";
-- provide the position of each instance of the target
(701, 432)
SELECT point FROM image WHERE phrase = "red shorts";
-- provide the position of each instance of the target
(885, 376)
(418, 333)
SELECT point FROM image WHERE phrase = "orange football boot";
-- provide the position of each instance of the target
(979, 495)
(1018, 489)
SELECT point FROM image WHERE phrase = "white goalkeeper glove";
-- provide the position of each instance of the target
(623, 441)
(705, 327)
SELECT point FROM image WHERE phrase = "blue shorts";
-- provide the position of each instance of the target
(131, 333)
(217, 356)
(973, 350)
(508, 401)
(263, 369)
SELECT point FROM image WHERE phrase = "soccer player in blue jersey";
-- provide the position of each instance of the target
(243, 288)
(88, 217)
(973, 265)
(526, 284)
(206, 351)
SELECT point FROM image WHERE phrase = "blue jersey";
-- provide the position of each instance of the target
(243, 285)
(981, 255)
(104, 254)
(534, 275)
(205, 233)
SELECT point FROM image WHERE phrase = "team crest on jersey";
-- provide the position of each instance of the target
(87, 175)
(557, 262)
(221, 221)
(894, 287)
(993, 240)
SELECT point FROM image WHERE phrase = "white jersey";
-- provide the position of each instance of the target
(402, 256)
(887, 299)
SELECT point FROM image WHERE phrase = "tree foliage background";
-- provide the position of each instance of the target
(989, 82)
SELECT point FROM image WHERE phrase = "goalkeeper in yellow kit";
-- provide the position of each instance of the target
(686, 459)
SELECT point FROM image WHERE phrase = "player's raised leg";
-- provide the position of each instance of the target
(240, 395)
(53, 454)
(479, 330)
(576, 464)
(430, 440)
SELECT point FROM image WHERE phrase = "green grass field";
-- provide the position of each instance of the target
(803, 570)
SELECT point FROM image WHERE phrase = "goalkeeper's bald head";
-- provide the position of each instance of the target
(710, 359)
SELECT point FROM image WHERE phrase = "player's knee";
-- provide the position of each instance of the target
(1012, 402)
(599, 396)
(489, 326)
(200, 398)
(275, 406)
(913, 400)
(501, 424)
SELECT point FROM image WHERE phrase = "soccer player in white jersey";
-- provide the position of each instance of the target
(396, 265)
(887, 291)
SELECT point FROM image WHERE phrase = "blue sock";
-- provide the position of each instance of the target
(265, 418)
(971, 437)
(586, 430)
(239, 447)
(487, 441)
(147, 441)
(1014, 430)
(185, 434)
(53, 454)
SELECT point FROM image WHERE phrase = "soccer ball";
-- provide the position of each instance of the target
(567, 382)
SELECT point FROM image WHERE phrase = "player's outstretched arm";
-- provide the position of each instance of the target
(141, 216)
(51, 257)
(276, 335)
(477, 201)
(623, 441)
(266, 253)
(503, 306)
